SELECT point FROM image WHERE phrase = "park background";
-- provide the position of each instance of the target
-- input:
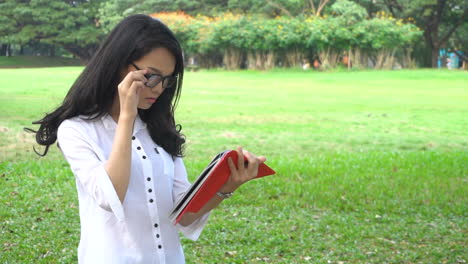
(369, 143)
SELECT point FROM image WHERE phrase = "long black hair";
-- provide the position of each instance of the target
(93, 92)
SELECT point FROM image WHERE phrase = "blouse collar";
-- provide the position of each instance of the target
(110, 124)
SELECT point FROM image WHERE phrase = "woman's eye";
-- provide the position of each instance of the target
(154, 77)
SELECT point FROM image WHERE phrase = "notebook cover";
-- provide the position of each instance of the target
(218, 176)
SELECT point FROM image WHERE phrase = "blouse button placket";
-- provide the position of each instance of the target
(150, 194)
(147, 169)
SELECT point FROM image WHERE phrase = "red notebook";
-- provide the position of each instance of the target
(208, 183)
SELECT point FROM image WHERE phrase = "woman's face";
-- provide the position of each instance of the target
(159, 61)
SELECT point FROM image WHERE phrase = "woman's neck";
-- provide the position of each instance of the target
(115, 110)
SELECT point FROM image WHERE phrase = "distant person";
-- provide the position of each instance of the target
(305, 65)
(317, 64)
(117, 131)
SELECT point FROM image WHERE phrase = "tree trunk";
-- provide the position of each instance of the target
(293, 58)
(8, 50)
(407, 60)
(358, 59)
(83, 53)
(329, 58)
(258, 60)
(432, 39)
(209, 60)
(3, 50)
(434, 57)
(251, 60)
(270, 60)
(232, 58)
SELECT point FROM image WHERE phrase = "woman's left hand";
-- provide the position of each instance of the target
(244, 171)
(240, 175)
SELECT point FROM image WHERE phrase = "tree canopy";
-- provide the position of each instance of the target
(72, 25)
(78, 26)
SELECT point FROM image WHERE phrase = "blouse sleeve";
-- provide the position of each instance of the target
(181, 185)
(88, 168)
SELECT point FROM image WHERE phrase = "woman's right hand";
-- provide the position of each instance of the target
(129, 92)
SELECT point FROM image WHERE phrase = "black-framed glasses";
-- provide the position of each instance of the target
(154, 79)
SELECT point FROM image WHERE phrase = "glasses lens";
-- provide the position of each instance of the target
(170, 81)
(153, 80)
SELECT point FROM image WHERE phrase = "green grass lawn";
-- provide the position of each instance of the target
(371, 166)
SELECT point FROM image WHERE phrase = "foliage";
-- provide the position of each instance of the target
(71, 25)
(349, 11)
(439, 19)
(228, 31)
(381, 33)
(112, 11)
(459, 42)
(183, 26)
(347, 28)
(287, 33)
(78, 26)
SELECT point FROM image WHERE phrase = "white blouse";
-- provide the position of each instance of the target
(139, 230)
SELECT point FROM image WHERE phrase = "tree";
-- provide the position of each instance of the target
(71, 24)
(432, 16)
(317, 8)
(372, 6)
(283, 7)
(14, 20)
(112, 11)
(459, 42)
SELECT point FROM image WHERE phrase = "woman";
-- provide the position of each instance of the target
(117, 131)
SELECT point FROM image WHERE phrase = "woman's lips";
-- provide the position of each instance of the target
(151, 99)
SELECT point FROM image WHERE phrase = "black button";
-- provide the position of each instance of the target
(157, 235)
(156, 149)
(149, 190)
(144, 157)
(156, 225)
(148, 179)
(151, 200)
(138, 147)
(133, 138)
(159, 246)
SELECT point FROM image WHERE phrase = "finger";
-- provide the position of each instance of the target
(136, 87)
(246, 159)
(134, 76)
(252, 168)
(232, 167)
(240, 160)
(261, 159)
(138, 90)
(251, 158)
(139, 76)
